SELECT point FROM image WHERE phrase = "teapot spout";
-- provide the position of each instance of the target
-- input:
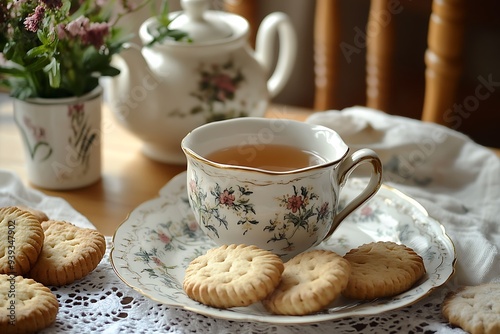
(135, 83)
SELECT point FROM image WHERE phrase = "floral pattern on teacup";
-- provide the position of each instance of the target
(300, 210)
(210, 209)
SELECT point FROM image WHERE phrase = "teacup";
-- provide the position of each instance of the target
(272, 183)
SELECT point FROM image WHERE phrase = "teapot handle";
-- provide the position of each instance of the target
(264, 47)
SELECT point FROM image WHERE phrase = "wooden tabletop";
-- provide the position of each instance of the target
(128, 177)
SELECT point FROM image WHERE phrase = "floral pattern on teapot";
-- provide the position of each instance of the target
(218, 85)
(301, 211)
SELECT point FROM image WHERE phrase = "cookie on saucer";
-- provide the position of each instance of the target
(382, 269)
(310, 282)
(232, 275)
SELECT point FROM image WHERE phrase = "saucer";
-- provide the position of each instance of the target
(159, 238)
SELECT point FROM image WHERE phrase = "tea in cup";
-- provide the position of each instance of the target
(273, 183)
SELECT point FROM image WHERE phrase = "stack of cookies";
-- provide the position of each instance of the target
(240, 275)
(36, 252)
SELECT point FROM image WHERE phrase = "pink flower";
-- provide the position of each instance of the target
(224, 85)
(96, 34)
(192, 185)
(32, 22)
(78, 27)
(157, 261)
(226, 198)
(103, 3)
(193, 226)
(130, 5)
(164, 238)
(90, 33)
(366, 211)
(37, 131)
(294, 203)
(224, 82)
(323, 210)
(61, 31)
(75, 109)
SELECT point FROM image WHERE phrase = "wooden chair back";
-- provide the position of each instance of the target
(442, 57)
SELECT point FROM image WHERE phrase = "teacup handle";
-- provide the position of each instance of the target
(345, 168)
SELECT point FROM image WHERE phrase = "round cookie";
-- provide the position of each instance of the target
(232, 275)
(382, 269)
(310, 282)
(475, 309)
(40, 215)
(21, 240)
(69, 253)
(26, 306)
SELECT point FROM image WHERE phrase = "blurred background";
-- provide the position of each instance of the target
(481, 59)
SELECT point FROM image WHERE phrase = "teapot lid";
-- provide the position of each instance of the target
(198, 24)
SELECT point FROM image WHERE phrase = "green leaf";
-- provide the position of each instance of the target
(109, 71)
(22, 91)
(12, 71)
(54, 73)
(161, 33)
(9, 50)
(38, 51)
(37, 65)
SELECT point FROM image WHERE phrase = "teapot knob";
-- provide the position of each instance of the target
(194, 9)
(199, 23)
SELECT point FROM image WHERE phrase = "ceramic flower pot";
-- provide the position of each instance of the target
(61, 139)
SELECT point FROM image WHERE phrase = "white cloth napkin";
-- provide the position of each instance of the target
(455, 179)
(13, 192)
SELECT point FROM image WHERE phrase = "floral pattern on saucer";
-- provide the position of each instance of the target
(157, 241)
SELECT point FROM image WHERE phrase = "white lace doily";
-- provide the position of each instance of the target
(102, 303)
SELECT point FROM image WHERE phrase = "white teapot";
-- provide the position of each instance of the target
(165, 91)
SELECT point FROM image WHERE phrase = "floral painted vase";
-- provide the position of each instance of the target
(62, 139)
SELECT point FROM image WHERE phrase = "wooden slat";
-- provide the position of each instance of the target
(247, 9)
(379, 54)
(443, 58)
(326, 41)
